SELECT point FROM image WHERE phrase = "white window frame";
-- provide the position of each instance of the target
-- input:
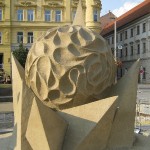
(0, 37)
(30, 16)
(47, 15)
(30, 38)
(58, 15)
(19, 37)
(21, 15)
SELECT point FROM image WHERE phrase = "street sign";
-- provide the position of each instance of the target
(141, 71)
(119, 46)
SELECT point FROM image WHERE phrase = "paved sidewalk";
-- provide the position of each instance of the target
(4, 141)
(144, 86)
(6, 107)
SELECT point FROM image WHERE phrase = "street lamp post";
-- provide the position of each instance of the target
(115, 42)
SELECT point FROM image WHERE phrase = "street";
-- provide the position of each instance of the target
(143, 93)
(143, 108)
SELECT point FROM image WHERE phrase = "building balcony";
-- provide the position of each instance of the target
(144, 35)
(137, 37)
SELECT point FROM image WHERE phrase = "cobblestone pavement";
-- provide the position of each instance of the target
(6, 120)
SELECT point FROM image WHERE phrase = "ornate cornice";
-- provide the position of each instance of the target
(75, 3)
(97, 4)
(26, 4)
(54, 5)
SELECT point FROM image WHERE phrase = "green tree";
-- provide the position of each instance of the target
(21, 54)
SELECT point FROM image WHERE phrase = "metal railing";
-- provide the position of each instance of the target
(6, 122)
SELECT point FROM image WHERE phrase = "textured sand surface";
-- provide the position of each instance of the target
(141, 142)
(69, 65)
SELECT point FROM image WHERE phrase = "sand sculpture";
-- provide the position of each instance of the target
(67, 99)
(68, 65)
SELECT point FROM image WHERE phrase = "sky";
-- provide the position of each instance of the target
(118, 7)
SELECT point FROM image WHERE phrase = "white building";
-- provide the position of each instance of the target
(133, 39)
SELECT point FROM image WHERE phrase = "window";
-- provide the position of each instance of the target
(120, 36)
(1, 60)
(131, 50)
(144, 73)
(126, 34)
(121, 53)
(73, 14)
(58, 15)
(47, 15)
(0, 37)
(30, 15)
(112, 50)
(144, 47)
(125, 70)
(20, 37)
(131, 32)
(0, 14)
(138, 30)
(108, 41)
(144, 27)
(121, 72)
(20, 15)
(95, 15)
(138, 49)
(117, 53)
(126, 51)
(30, 37)
(117, 38)
(112, 42)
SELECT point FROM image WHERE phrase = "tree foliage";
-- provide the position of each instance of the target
(21, 54)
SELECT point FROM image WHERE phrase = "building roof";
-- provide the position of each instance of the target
(106, 19)
(133, 14)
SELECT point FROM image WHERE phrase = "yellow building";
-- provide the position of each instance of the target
(25, 20)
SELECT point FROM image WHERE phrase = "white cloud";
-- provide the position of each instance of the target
(126, 7)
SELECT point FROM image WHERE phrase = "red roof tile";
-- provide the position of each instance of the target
(133, 14)
(106, 19)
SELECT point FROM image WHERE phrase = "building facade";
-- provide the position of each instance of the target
(22, 21)
(133, 39)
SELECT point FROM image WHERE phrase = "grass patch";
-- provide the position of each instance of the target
(5, 85)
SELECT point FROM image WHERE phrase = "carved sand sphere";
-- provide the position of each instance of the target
(68, 65)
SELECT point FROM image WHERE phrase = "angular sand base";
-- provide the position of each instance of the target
(141, 142)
